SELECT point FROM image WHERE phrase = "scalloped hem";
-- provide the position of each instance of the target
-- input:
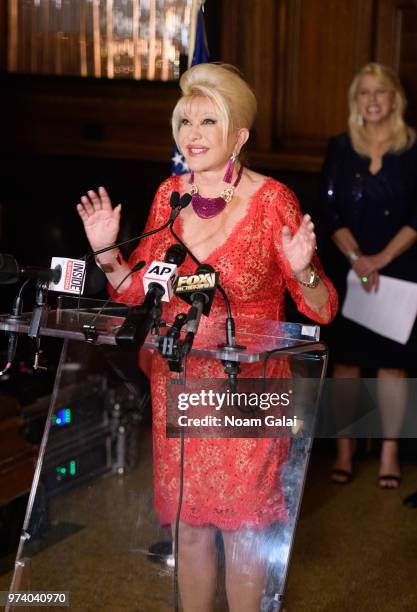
(213, 519)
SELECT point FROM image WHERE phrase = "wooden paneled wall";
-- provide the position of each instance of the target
(299, 55)
(3, 37)
(95, 118)
(396, 45)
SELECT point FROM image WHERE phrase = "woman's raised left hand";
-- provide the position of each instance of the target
(299, 248)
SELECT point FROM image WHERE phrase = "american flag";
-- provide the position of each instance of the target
(200, 56)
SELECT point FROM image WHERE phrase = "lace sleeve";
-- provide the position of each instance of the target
(286, 211)
(158, 215)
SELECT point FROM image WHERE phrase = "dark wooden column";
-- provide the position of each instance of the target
(396, 45)
(249, 38)
(3, 35)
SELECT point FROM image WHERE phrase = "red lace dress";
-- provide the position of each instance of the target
(229, 483)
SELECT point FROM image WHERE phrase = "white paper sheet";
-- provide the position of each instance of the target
(390, 311)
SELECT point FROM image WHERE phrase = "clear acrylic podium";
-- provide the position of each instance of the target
(90, 519)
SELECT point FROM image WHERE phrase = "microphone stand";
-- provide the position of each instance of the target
(13, 336)
(169, 345)
(148, 315)
(231, 366)
(39, 311)
(176, 203)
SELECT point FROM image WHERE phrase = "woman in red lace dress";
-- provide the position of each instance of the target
(261, 245)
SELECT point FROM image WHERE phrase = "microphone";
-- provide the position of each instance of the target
(158, 282)
(89, 329)
(11, 271)
(174, 201)
(182, 203)
(193, 321)
(64, 275)
(198, 290)
(230, 324)
(164, 273)
(13, 336)
(231, 367)
(204, 281)
(71, 277)
(177, 203)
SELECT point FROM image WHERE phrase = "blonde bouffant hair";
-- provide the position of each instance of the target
(402, 135)
(232, 97)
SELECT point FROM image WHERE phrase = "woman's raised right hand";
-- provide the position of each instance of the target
(101, 221)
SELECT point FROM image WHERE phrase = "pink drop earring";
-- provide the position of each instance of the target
(230, 167)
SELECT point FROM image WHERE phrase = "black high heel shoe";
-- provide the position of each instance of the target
(345, 476)
(411, 500)
(394, 478)
(341, 476)
(387, 485)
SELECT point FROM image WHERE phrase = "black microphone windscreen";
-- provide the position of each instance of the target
(204, 267)
(9, 269)
(185, 200)
(175, 199)
(176, 254)
(138, 266)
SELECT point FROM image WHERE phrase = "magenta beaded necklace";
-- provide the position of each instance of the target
(210, 207)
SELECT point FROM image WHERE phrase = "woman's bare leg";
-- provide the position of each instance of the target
(345, 446)
(392, 400)
(197, 567)
(245, 570)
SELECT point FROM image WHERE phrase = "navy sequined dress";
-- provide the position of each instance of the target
(374, 207)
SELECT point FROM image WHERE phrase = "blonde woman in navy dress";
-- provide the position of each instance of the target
(370, 190)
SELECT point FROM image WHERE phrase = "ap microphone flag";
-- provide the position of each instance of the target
(164, 274)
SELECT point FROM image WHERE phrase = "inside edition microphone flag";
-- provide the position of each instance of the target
(199, 54)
